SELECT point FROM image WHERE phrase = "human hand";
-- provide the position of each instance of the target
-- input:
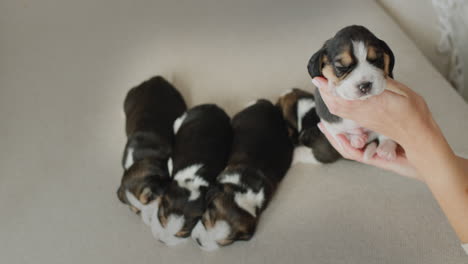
(398, 112)
(400, 165)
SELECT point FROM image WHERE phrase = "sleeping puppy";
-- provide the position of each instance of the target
(203, 138)
(356, 64)
(311, 146)
(150, 111)
(260, 157)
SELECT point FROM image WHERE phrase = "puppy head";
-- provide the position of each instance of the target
(231, 214)
(180, 207)
(143, 182)
(355, 62)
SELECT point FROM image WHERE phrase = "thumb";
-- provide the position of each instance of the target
(397, 87)
(320, 82)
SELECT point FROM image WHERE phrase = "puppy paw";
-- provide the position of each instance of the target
(387, 149)
(358, 141)
(370, 150)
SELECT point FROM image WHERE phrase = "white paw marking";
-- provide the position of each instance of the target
(250, 201)
(303, 107)
(188, 179)
(178, 122)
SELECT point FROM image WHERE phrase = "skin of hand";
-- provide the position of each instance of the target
(377, 112)
(403, 115)
(398, 113)
(400, 165)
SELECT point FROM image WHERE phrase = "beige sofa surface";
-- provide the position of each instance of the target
(65, 68)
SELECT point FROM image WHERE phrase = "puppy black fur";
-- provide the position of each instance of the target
(332, 48)
(310, 135)
(150, 110)
(205, 138)
(261, 155)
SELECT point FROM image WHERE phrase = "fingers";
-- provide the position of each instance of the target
(398, 88)
(400, 166)
(336, 105)
(320, 82)
(342, 145)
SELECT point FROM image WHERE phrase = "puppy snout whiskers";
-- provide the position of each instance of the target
(365, 87)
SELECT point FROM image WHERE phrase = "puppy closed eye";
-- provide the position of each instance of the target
(342, 68)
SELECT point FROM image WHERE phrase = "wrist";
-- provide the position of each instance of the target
(429, 147)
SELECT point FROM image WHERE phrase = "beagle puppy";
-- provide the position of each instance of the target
(356, 64)
(311, 146)
(260, 157)
(203, 138)
(150, 110)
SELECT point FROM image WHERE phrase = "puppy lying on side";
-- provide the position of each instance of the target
(203, 138)
(298, 109)
(356, 64)
(150, 111)
(260, 157)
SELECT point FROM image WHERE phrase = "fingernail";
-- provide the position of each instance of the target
(316, 82)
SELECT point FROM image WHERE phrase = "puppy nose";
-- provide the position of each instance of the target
(365, 87)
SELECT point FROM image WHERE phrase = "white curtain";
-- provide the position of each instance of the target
(453, 22)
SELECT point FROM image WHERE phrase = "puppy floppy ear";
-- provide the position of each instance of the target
(389, 59)
(316, 62)
(158, 187)
(121, 195)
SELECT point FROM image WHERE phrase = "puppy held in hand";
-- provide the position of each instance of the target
(311, 146)
(356, 64)
(260, 157)
(202, 144)
(150, 111)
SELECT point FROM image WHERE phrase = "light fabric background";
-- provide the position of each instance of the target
(439, 28)
(65, 68)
